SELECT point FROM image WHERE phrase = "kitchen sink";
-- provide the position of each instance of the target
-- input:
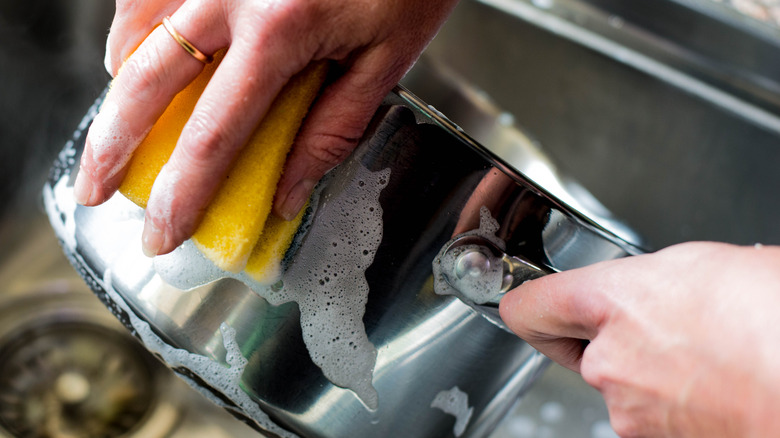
(666, 111)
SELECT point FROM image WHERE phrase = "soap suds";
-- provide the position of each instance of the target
(226, 379)
(163, 192)
(60, 203)
(111, 141)
(326, 278)
(456, 403)
(474, 288)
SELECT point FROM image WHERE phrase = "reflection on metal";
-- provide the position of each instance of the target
(495, 130)
(755, 13)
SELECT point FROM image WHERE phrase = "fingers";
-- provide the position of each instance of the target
(149, 80)
(554, 306)
(337, 121)
(566, 352)
(269, 42)
(557, 314)
(334, 126)
(224, 118)
(133, 22)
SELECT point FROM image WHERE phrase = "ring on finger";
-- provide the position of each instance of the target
(186, 45)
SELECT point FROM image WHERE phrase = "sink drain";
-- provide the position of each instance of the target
(73, 379)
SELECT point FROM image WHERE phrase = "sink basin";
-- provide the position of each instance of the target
(666, 113)
(672, 124)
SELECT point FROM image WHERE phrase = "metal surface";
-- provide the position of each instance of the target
(474, 257)
(73, 378)
(445, 184)
(69, 368)
(672, 129)
(480, 273)
(51, 53)
(665, 110)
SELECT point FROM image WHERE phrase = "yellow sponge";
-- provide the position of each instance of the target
(236, 217)
(265, 262)
(150, 156)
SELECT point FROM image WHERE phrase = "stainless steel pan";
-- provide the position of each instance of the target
(429, 213)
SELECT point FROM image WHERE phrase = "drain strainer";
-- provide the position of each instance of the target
(73, 379)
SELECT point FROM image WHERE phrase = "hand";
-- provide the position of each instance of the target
(683, 342)
(374, 43)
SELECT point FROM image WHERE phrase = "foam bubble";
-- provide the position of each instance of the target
(326, 278)
(456, 403)
(226, 379)
(111, 140)
(488, 279)
(163, 191)
(61, 208)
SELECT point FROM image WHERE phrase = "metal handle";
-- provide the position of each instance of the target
(479, 272)
(482, 272)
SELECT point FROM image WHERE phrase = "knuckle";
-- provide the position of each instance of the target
(269, 24)
(592, 369)
(206, 141)
(144, 75)
(283, 14)
(331, 149)
(171, 204)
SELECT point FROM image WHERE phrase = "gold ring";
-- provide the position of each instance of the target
(192, 50)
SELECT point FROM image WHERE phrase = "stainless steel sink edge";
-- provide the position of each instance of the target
(753, 95)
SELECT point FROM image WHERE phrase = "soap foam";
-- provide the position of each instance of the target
(61, 206)
(111, 141)
(476, 289)
(226, 379)
(456, 403)
(326, 278)
(61, 209)
(163, 192)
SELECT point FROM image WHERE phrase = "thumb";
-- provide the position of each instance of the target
(558, 314)
(333, 129)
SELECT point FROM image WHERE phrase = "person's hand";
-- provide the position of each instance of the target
(683, 342)
(373, 42)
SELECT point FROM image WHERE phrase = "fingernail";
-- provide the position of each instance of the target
(84, 190)
(296, 199)
(152, 239)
